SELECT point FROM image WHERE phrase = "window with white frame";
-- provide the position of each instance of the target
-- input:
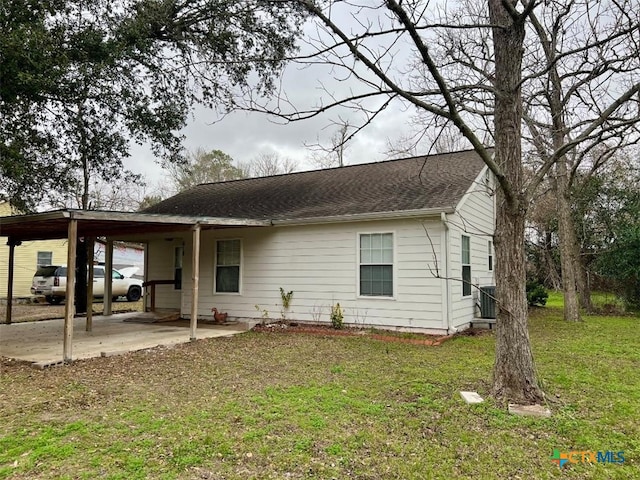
(178, 256)
(44, 258)
(466, 266)
(228, 266)
(490, 255)
(376, 264)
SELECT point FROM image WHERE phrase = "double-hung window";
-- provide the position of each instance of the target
(44, 258)
(376, 264)
(466, 266)
(228, 266)
(490, 255)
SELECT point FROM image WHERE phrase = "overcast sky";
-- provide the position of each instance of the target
(246, 135)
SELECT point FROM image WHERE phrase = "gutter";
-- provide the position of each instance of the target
(448, 307)
(422, 212)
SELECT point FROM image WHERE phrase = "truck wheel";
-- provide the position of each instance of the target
(134, 294)
(53, 300)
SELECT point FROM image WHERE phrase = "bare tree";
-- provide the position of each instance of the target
(267, 164)
(324, 156)
(477, 85)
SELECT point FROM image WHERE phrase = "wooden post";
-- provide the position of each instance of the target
(70, 301)
(146, 277)
(12, 252)
(108, 278)
(90, 241)
(153, 297)
(195, 268)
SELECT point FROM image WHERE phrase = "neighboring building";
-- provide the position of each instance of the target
(398, 244)
(28, 257)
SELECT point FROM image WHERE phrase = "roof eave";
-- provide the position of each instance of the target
(167, 218)
(369, 216)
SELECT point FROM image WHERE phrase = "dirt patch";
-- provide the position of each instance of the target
(32, 312)
(413, 338)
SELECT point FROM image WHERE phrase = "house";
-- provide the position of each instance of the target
(399, 245)
(28, 258)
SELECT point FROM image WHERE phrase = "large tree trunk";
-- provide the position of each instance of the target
(514, 375)
(568, 245)
(81, 277)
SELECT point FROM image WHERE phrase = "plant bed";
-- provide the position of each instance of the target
(382, 335)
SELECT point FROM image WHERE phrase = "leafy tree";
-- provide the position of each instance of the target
(204, 167)
(92, 77)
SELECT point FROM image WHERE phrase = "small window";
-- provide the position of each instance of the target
(44, 258)
(178, 255)
(228, 266)
(376, 265)
(98, 272)
(490, 255)
(466, 266)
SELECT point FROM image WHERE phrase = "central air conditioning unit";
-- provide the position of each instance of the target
(488, 302)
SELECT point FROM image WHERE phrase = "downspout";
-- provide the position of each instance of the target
(447, 282)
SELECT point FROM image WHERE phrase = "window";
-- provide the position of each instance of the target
(376, 264)
(44, 258)
(98, 272)
(490, 255)
(466, 266)
(178, 255)
(228, 266)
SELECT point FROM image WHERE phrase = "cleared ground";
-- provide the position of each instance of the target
(268, 405)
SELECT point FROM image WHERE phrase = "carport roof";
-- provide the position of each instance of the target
(92, 223)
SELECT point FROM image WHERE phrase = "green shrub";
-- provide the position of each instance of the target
(536, 294)
(337, 317)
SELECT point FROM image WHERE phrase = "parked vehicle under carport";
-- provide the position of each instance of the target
(51, 281)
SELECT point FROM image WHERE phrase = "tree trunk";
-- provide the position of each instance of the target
(551, 272)
(582, 281)
(568, 245)
(514, 375)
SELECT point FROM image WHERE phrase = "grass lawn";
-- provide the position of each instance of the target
(268, 405)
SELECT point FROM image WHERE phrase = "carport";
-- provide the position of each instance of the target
(74, 224)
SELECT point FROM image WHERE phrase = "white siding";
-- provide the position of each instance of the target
(475, 217)
(319, 263)
(160, 255)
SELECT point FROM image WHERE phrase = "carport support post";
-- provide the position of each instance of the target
(108, 277)
(70, 302)
(12, 254)
(195, 258)
(90, 254)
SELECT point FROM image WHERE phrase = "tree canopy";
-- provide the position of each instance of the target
(81, 80)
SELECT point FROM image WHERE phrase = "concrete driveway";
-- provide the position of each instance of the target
(41, 342)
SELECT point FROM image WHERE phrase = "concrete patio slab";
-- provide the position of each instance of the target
(42, 341)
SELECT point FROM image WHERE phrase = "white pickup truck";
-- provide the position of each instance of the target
(51, 281)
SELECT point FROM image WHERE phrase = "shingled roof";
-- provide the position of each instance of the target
(431, 182)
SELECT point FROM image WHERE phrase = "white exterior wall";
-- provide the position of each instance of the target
(319, 263)
(474, 217)
(160, 266)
